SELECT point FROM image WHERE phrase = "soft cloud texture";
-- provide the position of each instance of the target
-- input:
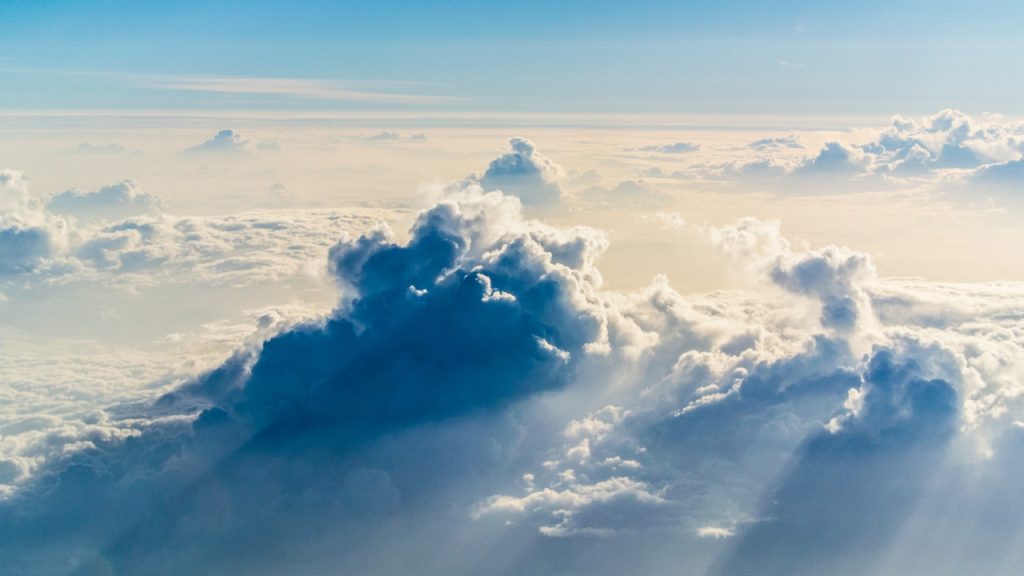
(28, 234)
(478, 388)
(525, 173)
(674, 148)
(113, 202)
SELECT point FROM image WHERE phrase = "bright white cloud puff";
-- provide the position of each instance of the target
(525, 173)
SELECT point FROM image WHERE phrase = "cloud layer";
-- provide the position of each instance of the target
(479, 402)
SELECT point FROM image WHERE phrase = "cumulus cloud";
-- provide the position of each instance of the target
(525, 173)
(113, 202)
(477, 388)
(230, 141)
(835, 158)
(28, 233)
(946, 146)
(853, 486)
(518, 313)
(226, 140)
(119, 237)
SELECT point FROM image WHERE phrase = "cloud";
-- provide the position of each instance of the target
(119, 237)
(525, 173)
(772, 143)
(478, 388)
(388, 136)
(517, 311)
(674, 148)
(1004, 173)
(307, 88)
(835, 158)
(385, 136)
(946, 146)
(632, 192)
(224, 141)
(853, 486)
(113, 202)
(28, 234)
(89, 148)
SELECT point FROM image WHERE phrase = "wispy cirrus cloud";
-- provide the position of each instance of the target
(307, 88)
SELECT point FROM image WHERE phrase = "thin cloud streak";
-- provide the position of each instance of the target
(310, 88)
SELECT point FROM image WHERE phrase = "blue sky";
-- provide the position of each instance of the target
(668, 57)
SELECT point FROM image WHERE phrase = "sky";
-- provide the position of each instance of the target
(733, 57)
(698, 288)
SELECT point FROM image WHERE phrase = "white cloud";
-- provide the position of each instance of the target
(309, 88)
(226, 140)
(525, 173)
(113, 202)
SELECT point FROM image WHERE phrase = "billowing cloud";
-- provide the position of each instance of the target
(478, 388)
(947, 146)
(525, 173)
(28, 234)
(113, 202)
(835, 158)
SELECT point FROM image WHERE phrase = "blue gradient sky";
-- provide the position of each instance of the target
(665, 57)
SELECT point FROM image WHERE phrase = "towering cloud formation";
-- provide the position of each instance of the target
(525, 173)
(477, 389)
